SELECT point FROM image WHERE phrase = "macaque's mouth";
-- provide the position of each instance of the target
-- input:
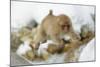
(65, 30)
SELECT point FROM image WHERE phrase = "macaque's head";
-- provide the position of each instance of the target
(64, 22)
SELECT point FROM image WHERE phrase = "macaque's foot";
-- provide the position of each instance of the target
(34, 49)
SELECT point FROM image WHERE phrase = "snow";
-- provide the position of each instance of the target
(43, 47)
(88, 53)
(56, 58)
(85, 53)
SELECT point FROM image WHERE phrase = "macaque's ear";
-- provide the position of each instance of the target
(50, 12)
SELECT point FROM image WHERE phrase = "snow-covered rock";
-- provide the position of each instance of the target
(23, 48)
(88, 53)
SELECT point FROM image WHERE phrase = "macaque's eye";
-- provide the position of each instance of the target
(68, 26)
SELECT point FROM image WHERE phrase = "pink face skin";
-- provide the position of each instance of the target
(65, 27)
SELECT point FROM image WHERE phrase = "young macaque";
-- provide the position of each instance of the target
(54, 28)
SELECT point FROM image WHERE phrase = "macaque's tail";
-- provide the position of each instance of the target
(50, 12)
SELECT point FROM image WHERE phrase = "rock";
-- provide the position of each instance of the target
(45, 55)
(86, 31)
(60, 48)
(25, 34)
(15, 41)
(52, 48)
(67, 47)
(71, 57)
(72, 46)
(32, 24)
(29, 55)
(86, 34)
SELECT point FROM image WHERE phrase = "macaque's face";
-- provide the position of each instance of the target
(64, 22)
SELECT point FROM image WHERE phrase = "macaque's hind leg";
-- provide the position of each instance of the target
(40, 37)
